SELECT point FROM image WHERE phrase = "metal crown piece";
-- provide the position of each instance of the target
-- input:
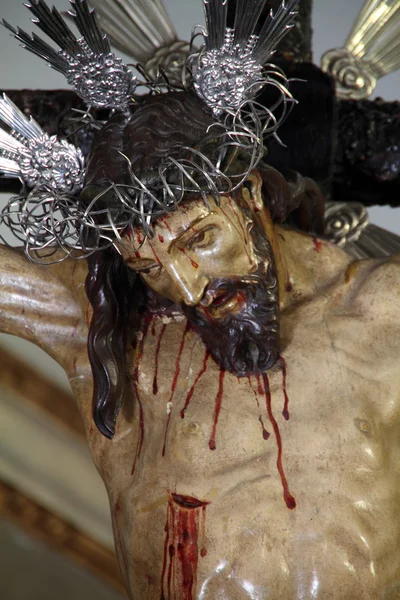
(136, 27)
(28, 153)
(230, 68)
(98, 76)
(371, 51)
(143, 30)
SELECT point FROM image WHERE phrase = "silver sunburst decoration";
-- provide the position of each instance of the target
(98, 76)
(230, 68)
(29, 154)
(371, 51)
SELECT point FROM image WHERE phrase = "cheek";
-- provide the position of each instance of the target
(163, 285)
(233, 254)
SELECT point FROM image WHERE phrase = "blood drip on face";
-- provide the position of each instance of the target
(244, 237)
(155, 254)
(174, 382)
(184, 542)
(218, 402)
(165, 222)
(289, 500)
(231, 204)
(285, 411)
(191, 391)
(317, 245)
(192, 262)
(155, 382)
(137, 395)
(265, 432)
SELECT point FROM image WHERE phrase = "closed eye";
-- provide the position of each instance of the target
(142, 265)
(149, 270)
(203, 238)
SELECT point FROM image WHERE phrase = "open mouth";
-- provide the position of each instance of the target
(221, 299)
(225, 302)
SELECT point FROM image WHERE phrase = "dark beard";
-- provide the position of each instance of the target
(246, 343)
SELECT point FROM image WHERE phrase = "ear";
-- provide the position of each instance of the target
(253, 192)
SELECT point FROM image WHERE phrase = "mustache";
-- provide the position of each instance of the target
(228, 286)
(218, 287)
(245, 341)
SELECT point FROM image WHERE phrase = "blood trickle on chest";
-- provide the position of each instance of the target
(184, 544)
(260, 389)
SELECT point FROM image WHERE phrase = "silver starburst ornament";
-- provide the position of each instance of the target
(98, 76)
(229, 70)
(28, 153)
(371, 51)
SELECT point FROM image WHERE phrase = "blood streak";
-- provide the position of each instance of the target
(238, 218)
(218, 401)
(265, 432)
(289, 500)
(234, 226)
(191, 391)
(155, 384)
(184, 526)
(174, 382)
(160, 237)
(166, 224)
(155, 254)
(317, 245)
(193, 263)
(285, 411)
(259, 386)
(137, 395)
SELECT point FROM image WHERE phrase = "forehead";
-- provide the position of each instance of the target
(185, 216)
(173, 225)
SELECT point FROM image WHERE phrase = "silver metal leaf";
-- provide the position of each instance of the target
(28, 153)
(98, 76)
(136, 27)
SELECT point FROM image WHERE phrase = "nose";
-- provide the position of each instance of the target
(190, 283)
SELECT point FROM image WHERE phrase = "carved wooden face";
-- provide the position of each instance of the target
(193, 246)
(216, 262)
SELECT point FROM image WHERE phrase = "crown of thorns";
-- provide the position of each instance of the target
(227, 73)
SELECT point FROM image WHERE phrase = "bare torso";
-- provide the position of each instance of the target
(202, 523)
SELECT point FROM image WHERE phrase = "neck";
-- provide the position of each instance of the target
(304, 264)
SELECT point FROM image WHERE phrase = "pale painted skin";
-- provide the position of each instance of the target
(341, 446)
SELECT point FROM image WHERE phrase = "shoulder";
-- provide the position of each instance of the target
(375, 285)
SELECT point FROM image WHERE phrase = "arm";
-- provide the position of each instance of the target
(45, 305)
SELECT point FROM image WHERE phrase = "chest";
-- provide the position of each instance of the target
(332, 396)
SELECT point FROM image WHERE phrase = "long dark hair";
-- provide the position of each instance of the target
(157, 127)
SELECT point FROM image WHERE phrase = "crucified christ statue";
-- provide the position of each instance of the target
(237, 374)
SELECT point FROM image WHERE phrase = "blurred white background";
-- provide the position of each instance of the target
(19, 69)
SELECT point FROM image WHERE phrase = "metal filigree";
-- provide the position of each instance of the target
(230, 67)
(44, 218)
(347, 225)
(371, 51)
(49, 215)
(98, 76)
(345, 222)
(227, 76)
(28, 153)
